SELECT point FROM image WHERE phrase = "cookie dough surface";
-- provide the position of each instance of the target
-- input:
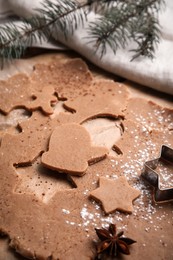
(115, 195)
(70, 150)
(47, 213)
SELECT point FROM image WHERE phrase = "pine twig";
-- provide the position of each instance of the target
(128, 20)
(65, 15)
(120, 22)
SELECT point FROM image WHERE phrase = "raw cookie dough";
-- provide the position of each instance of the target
(49, 215)
(70, 150)
(115, 195)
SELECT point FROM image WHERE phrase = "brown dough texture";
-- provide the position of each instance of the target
(51, 146)
(70, 150)
(115, 195)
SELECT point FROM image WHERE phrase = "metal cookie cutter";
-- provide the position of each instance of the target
(150, 174)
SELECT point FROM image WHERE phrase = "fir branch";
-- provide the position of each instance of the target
(127, 20)
(14, 39)
(120, 21)
(147, 36)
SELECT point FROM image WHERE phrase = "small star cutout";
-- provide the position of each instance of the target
(115, 195)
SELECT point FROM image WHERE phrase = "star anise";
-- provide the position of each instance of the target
(112, 242)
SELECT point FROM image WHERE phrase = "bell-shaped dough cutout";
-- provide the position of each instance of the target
(71, 151)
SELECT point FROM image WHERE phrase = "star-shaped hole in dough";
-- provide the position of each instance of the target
(115, 195)
(70, 150)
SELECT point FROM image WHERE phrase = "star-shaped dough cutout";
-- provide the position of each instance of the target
(115, 195)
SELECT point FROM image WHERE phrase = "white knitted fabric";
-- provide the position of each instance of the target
(156, 73)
